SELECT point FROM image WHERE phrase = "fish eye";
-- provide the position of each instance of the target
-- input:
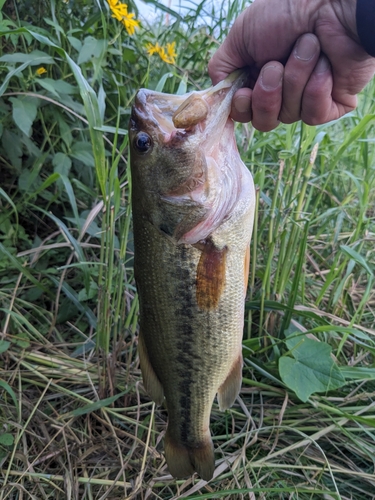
(142, 142)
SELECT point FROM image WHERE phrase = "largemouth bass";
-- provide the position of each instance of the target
(193, 208)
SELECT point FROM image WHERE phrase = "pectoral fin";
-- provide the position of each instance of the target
(231, 387)
(150, 380)
(210, 275)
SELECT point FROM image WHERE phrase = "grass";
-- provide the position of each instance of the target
(75, 420)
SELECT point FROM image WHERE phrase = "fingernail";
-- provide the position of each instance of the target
(242, 104)
(322, 65)
(306, 48)
(271, 77)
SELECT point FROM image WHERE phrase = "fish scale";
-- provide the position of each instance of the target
(191, 263)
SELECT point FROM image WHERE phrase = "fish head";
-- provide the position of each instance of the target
(184, 159)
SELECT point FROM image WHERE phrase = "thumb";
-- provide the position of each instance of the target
(230, 55)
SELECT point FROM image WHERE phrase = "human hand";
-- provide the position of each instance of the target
(295, 74)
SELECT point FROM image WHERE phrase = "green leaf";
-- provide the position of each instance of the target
(161, 82)
(22, 269)
(129, 55)
(34, 58)
(75, 42)
(312, 369)
(27, 180)
(90, 294)
(65, 131)
(88, 96)
(91, 48)
(54, 25)
(182, 88)
(352, 254)
(57, 86)
(89, 408)
(358, 373)
(4, 346)
(112, 130)
(6, 439)
(10, 391)
(24, 112)
(13, 147)
(61, 164)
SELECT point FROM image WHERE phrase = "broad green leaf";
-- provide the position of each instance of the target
(88, 294)
(54, 25)
(311, 370)
(56, 87)
(24, 112)
(4, 346)
(74, 42)
(6, 439)
(82, 151)
(91, 48)
(129, 55)
(27, 180)
(34, 58)
(61, 164)
(65, 131)
(13, 147)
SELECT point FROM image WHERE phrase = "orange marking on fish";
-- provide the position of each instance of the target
(247, 267)
(210, 275)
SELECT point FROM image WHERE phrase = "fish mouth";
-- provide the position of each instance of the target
(204, 111)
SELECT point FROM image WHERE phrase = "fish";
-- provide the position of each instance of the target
(193, 205)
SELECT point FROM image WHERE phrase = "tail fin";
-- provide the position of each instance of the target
(185, 460)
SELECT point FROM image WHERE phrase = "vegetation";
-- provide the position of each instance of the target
(75, 421)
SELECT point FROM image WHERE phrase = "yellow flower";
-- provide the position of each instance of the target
(130, 23)
(171, 52)
(167, 54)
(153, 49)
(120, 12)
(40, 71)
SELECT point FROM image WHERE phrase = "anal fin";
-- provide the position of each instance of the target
(150, 380)
(230, 388)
